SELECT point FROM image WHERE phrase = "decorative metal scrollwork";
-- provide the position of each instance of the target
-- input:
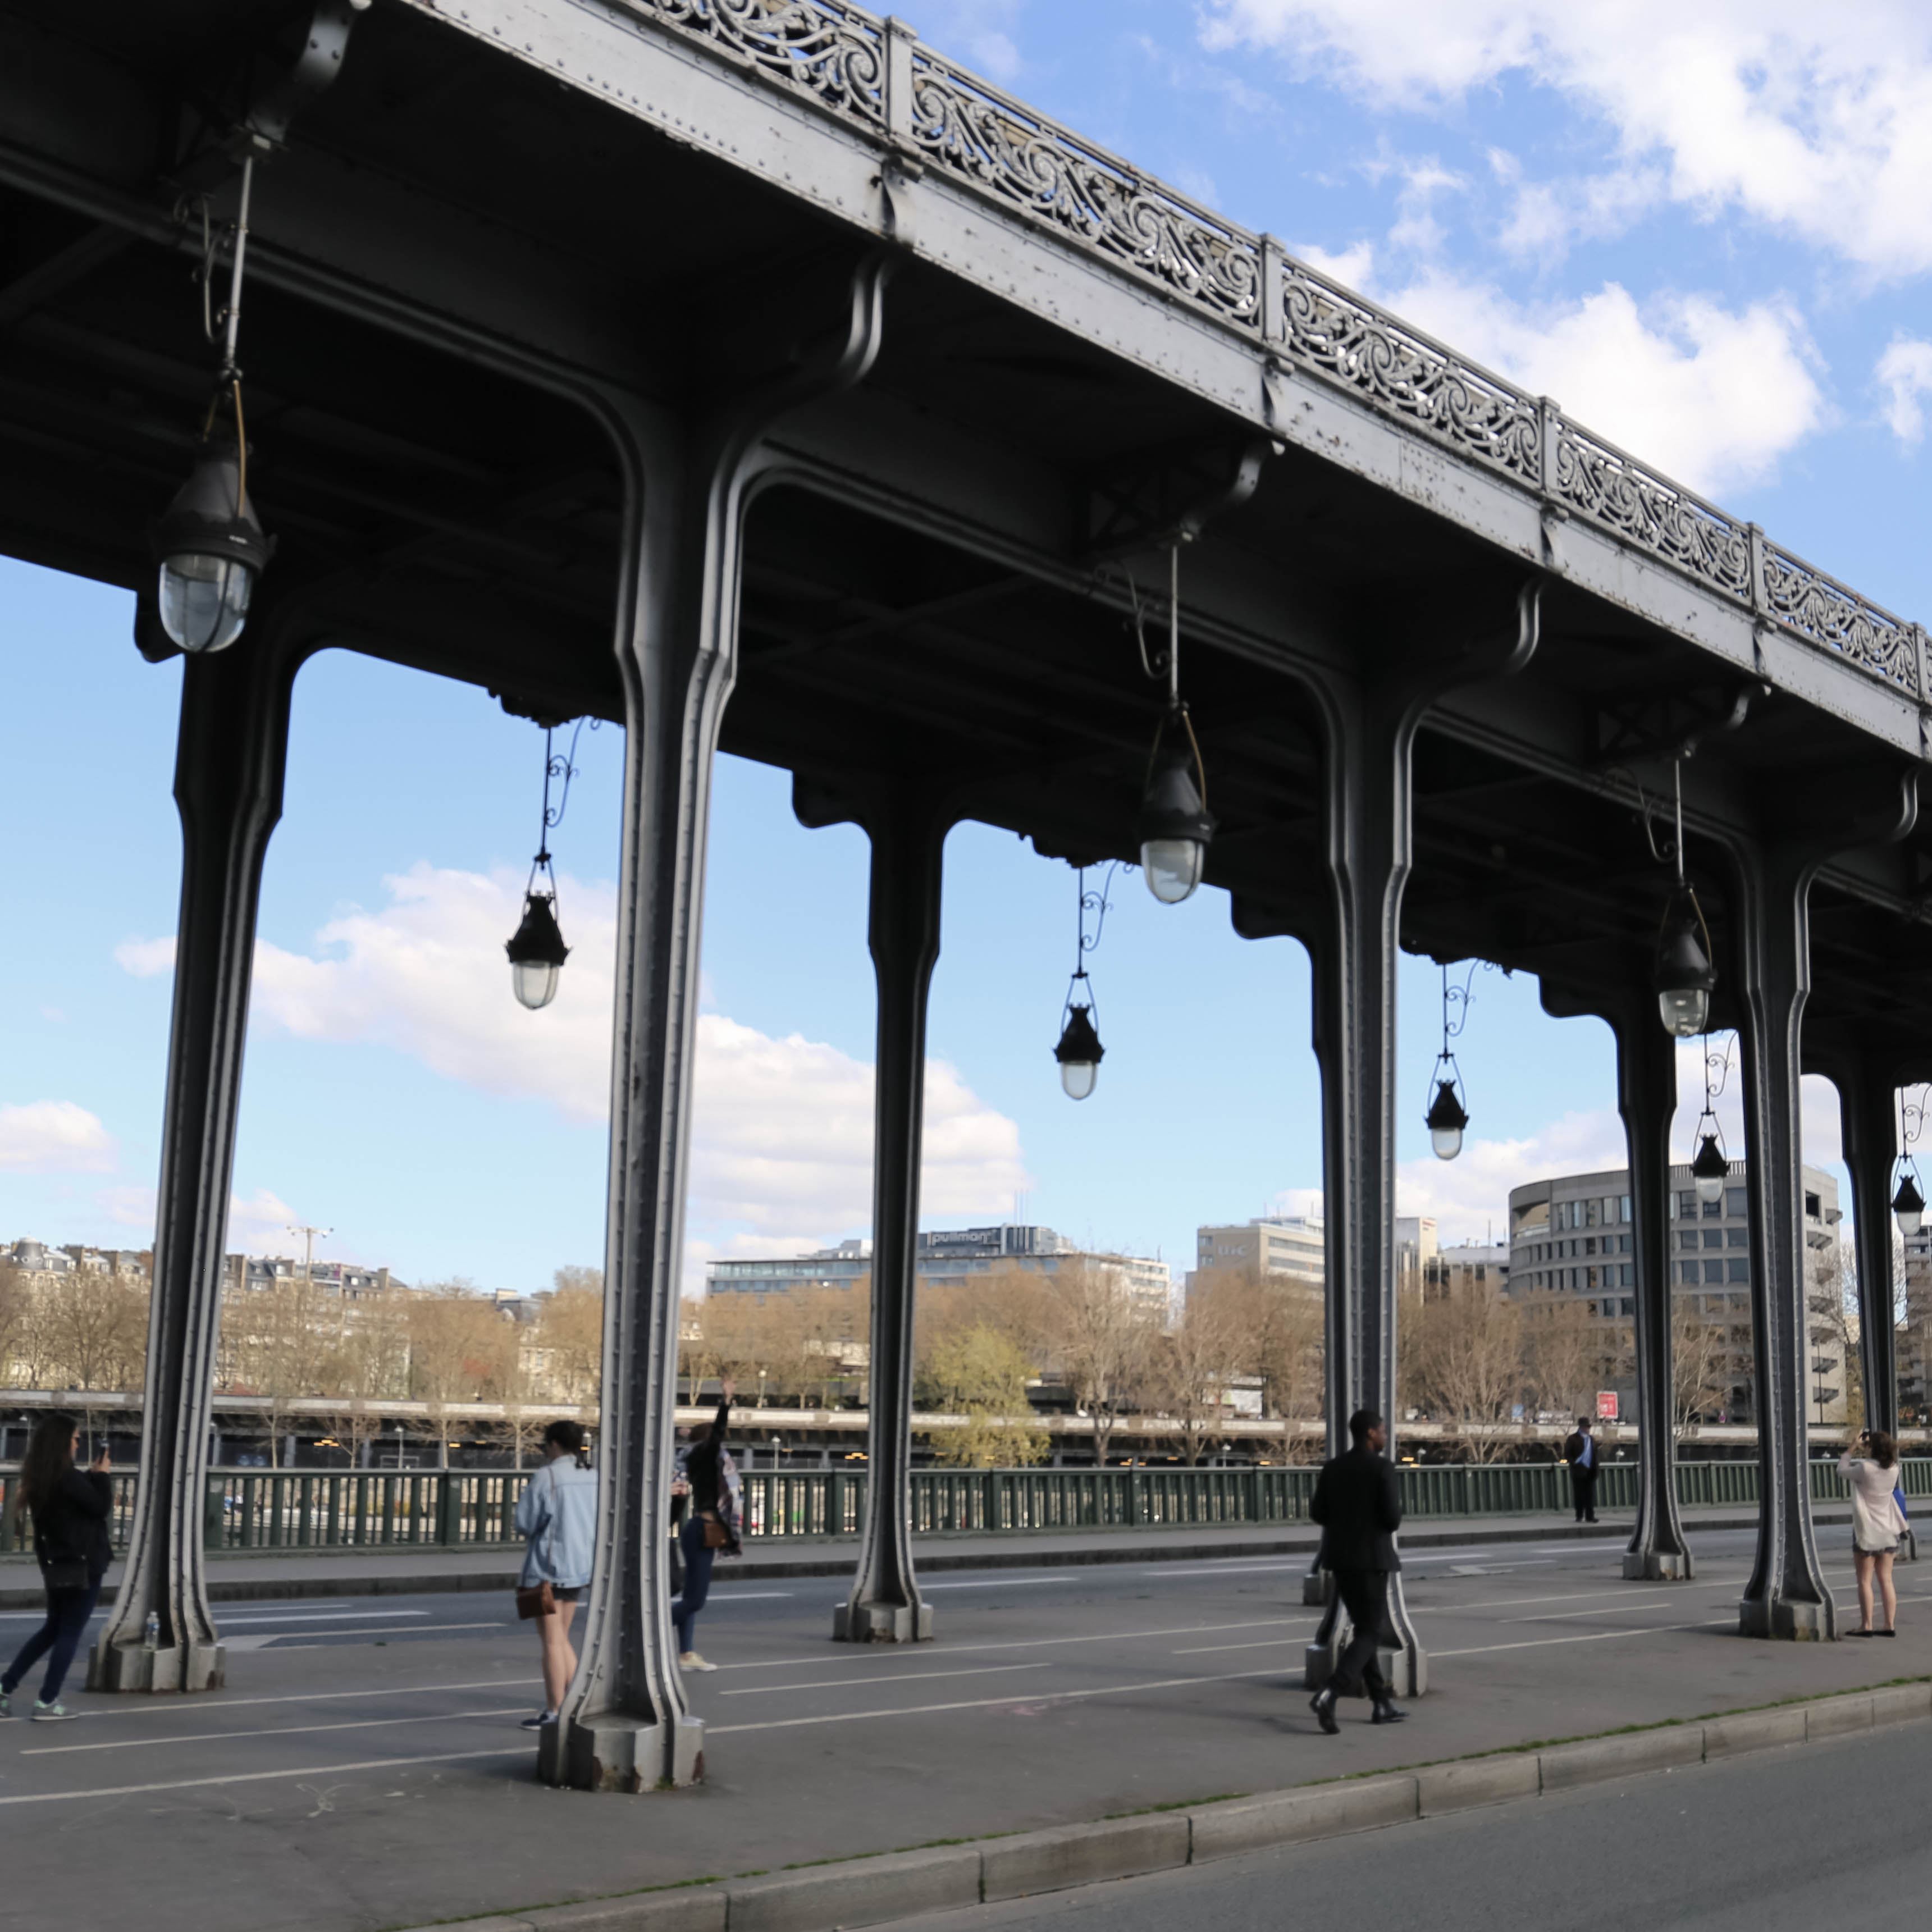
(1599, 480)
(963, 125)
(1824, 610)
(1403, 370)
(833, 51)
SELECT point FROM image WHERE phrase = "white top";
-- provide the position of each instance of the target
(1876, 1523)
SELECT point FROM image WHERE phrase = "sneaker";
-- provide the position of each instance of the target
(691, 1660)
(52, 1713)
(541, 1718)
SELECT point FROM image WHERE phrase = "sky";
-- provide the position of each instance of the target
(1703, 230)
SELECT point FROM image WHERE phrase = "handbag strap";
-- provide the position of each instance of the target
(550, 1553)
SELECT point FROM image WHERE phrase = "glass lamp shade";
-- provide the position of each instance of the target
(1909, 1205)
(1174, 828)
(1079, 1054)
(1445, 1121)
(536, 952)
(1684, 975)
(210, 549)
(1710, 1170)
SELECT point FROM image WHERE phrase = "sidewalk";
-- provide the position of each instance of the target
(259, 1576)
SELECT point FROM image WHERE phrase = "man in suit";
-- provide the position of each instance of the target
(1358, 1504)
(1580, 1452)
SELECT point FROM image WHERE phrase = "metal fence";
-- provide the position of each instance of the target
(295, 1509)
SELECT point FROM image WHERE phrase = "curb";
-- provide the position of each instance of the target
(900, 1885)
(929, 1560)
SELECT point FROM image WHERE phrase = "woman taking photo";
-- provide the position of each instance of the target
(710, 1528)
(1876, 1526)
(69, 1508)
(558, 1514)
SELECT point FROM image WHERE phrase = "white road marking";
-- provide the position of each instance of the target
(1000, 1583)
(860, 1683)
(309, 1616)
(1037, 1643)
(986, 1703)
(273, 1731)
(257, 1777)
(1263, 1643)
(1592, 1636)
(97, 1715)
(255, 1640)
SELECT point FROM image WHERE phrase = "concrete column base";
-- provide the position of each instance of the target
(881, 1623)
(1317, 1588)
(1788, 1619)
(1406, 1671)
(613, 1752)
(133, 1666)
(1659, 1566)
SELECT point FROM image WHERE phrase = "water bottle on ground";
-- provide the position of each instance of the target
(152, 1638)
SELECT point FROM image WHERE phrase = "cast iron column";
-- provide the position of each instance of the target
(231, 755)
(1369, 740)
(908, 835)
(624, 1725)
(1868, 1117)
(1647, 1098)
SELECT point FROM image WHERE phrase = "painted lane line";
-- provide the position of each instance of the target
(1564, 1616)
(861, 1684)
(1591, 1636)
(1630, 1592)
(95, 1716)
(989, 1703)
(1003, 1583)
(312, 1616)
(1035, 1643)
(1263, 1643)
(257, 1640)
(273, 1731)
(260, 1777)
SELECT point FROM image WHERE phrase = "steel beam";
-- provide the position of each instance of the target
(231, 754)
(1868, 1118)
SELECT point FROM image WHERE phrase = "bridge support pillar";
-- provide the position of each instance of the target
(1787, 1596)
(1647, 1098)
(908, 827)
(231, 753)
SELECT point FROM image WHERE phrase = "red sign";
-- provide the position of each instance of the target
(1606, 1404)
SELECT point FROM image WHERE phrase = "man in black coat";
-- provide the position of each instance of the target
(1358, 1504)
(1579, 1451)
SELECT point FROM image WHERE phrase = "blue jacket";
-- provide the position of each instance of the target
(558, 1513)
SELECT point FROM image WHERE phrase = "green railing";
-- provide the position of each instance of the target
(375, 1509)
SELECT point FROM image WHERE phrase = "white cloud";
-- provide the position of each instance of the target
(1819, 1126)
(1817, 120)
(1712, 397)
(1469, 1195)
(54, 1137)
(1351, 266)
(781, 1141)
(1905, 370)
(257, 1225)
(145, 958)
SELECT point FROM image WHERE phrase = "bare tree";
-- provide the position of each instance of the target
(1190, 1368)
(1102, 1340)
(456, 1345)
(570, 1332)
(1468, 1356)
(1563, 1356)
(982, 1375)
(90, 1330)
(1699, 1378)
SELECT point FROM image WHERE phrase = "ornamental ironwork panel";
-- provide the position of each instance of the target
(1648, 511)
(834, 52)
(855, 65)
(967, 126)
(1367, 349)
(1820, 607)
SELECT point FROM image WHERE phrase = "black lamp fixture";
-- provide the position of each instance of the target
(536, 950)
(1080, 1052)
(1710, 1167)
(209, 543)
(1684, 975)
(1448, 1116)
(1175, 824)
(1908, 1202)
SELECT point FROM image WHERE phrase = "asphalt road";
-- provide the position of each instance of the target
(1812, 1836)
(363, 1767)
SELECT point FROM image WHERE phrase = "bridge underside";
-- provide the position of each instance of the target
(471, 278)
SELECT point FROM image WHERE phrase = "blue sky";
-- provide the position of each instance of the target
(1703, 231)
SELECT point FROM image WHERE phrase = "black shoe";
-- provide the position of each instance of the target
(1323, 1704)
(1386, 1713)
(1885, 1632)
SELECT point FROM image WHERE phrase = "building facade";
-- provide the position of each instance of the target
(1570, 1242)
(1294, 1245)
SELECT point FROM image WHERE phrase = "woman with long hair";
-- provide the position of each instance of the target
(557, 1514)
(1876, 1525)
(69, 1508)
(710, 1527)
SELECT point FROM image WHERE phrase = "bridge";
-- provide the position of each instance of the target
(747, 372)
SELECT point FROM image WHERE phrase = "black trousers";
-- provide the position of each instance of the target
(1364, 1595)
(1583, 1489)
